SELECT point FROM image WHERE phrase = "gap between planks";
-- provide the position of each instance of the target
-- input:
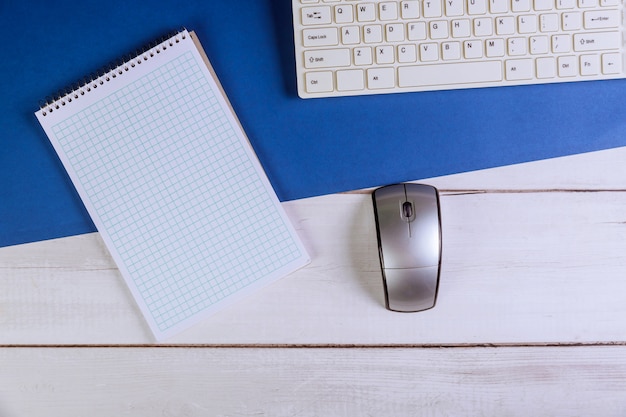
(453, 192)
(315, 346)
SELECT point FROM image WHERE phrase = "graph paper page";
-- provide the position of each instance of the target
(173, 186)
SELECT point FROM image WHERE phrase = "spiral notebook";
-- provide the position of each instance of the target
(170, 180)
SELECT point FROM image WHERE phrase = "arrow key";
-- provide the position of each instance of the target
(611, 63)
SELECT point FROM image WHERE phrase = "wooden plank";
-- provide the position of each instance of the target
(521, 381)
(602, 170)
(524, 261)
(517, 268)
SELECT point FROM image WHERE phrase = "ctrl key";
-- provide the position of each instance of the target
(319, 82)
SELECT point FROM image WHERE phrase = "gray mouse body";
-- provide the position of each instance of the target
(408, 225)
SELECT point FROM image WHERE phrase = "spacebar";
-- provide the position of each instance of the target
(457, 73)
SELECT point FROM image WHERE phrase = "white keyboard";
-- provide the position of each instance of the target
(357, 47)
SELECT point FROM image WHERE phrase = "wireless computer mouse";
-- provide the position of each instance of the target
(408, 225)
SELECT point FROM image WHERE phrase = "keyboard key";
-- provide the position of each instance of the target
(384, 54)
(600, 19)
(494, 48)
(320, 37)
(520, 5)
(432, 8)
(549, 22)
(589, 64)
(417, 31)
(319, 15)
(439, 29)
(429, 52)
(539, 45)
(378, 78)
(407, 53)
(327, 58)
(483, 27)
(451, 51)
(344, 14)
(571, 21)
(350, 80)
(373, 34)
(565, 4)
(546, 67)
(363, 56)
(561, 43)
(611, 63)
(596, 41)
(454, 7)
(473, 49)
(505, 25)
(388, 10)
(461, 28)
(319, 82)
(410, 9)
(544, 5)
(366, 12)
(498, 6)
(516, 46)
(441, 74)
(585, 4)
(567, 66)
(519, 69)
(477, 7)
(527, 23)
(350, 35)
(394, 32)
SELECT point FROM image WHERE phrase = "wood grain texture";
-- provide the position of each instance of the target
(519, 266)
(566, 381)
(531, 312)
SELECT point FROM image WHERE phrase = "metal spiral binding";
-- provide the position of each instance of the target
(109, 72)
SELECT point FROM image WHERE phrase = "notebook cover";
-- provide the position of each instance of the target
(307, 147)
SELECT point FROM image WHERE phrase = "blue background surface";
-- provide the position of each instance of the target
(307, 147)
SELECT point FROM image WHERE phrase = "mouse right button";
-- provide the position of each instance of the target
(410, 290)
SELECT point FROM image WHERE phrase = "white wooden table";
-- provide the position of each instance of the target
(530, 319)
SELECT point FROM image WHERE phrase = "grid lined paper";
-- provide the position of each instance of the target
(171, 182)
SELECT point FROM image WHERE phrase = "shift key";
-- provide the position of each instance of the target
(327, 58)
(596, 41)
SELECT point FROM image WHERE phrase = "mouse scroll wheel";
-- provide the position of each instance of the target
(407, 210)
